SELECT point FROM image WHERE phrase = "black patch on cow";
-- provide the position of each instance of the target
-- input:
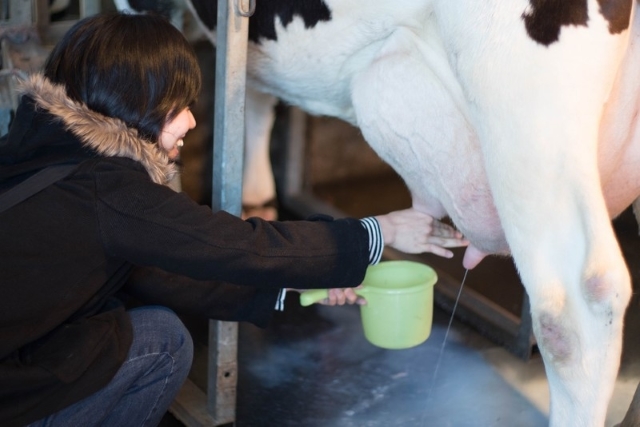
(546, 18)
(262, 24)
(617, 12)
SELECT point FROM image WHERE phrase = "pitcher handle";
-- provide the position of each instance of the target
(312, 296)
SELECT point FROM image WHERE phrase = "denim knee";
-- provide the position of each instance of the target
(142, 390)
(159, 329)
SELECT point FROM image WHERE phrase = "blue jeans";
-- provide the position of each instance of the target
(145, 385)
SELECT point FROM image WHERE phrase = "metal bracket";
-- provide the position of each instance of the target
(245, 8)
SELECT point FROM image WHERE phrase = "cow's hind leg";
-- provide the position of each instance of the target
(258, 186)
(538, 120)
(544, 177)
(557, 225)
(578, 324)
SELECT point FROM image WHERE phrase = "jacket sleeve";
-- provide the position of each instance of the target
(207, 298)
(151, 225)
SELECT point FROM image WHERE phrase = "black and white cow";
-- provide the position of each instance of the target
(515, 118)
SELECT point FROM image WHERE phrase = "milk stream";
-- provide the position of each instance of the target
(444, 341)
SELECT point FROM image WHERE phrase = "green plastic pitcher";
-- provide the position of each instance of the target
(399, 309)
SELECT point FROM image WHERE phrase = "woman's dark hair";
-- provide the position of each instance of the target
(137, 68)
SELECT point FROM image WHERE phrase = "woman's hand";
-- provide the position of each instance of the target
(415, 232)
(340, 296)
(344, 296)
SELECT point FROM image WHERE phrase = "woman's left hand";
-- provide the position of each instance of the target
(340, 296)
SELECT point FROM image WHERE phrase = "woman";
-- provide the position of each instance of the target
(113, 103)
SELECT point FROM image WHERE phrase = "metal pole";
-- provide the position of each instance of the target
(228, 155)
(228, 148)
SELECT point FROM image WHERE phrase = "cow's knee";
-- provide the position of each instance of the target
(550, 315)
(555, 337)
(597, 289)
(607, 294)
(560, 320)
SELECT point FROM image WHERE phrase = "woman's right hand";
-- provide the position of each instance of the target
(413, 232)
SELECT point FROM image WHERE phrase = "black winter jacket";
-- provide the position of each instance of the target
(66, 251)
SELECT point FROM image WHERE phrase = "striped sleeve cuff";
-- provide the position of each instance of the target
(376, 242)
(280, 301)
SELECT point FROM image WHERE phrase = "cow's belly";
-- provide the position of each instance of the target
(621, 179)
(449, 180)
(465, 196)
(619, 152)
(445, 179)
(455, 184)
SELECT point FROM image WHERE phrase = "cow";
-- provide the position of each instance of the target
(517, 119)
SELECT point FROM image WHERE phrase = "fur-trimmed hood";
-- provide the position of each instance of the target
(103, 135)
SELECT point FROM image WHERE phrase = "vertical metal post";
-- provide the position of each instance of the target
(42, 18)
(228, 156)
(228, 147)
